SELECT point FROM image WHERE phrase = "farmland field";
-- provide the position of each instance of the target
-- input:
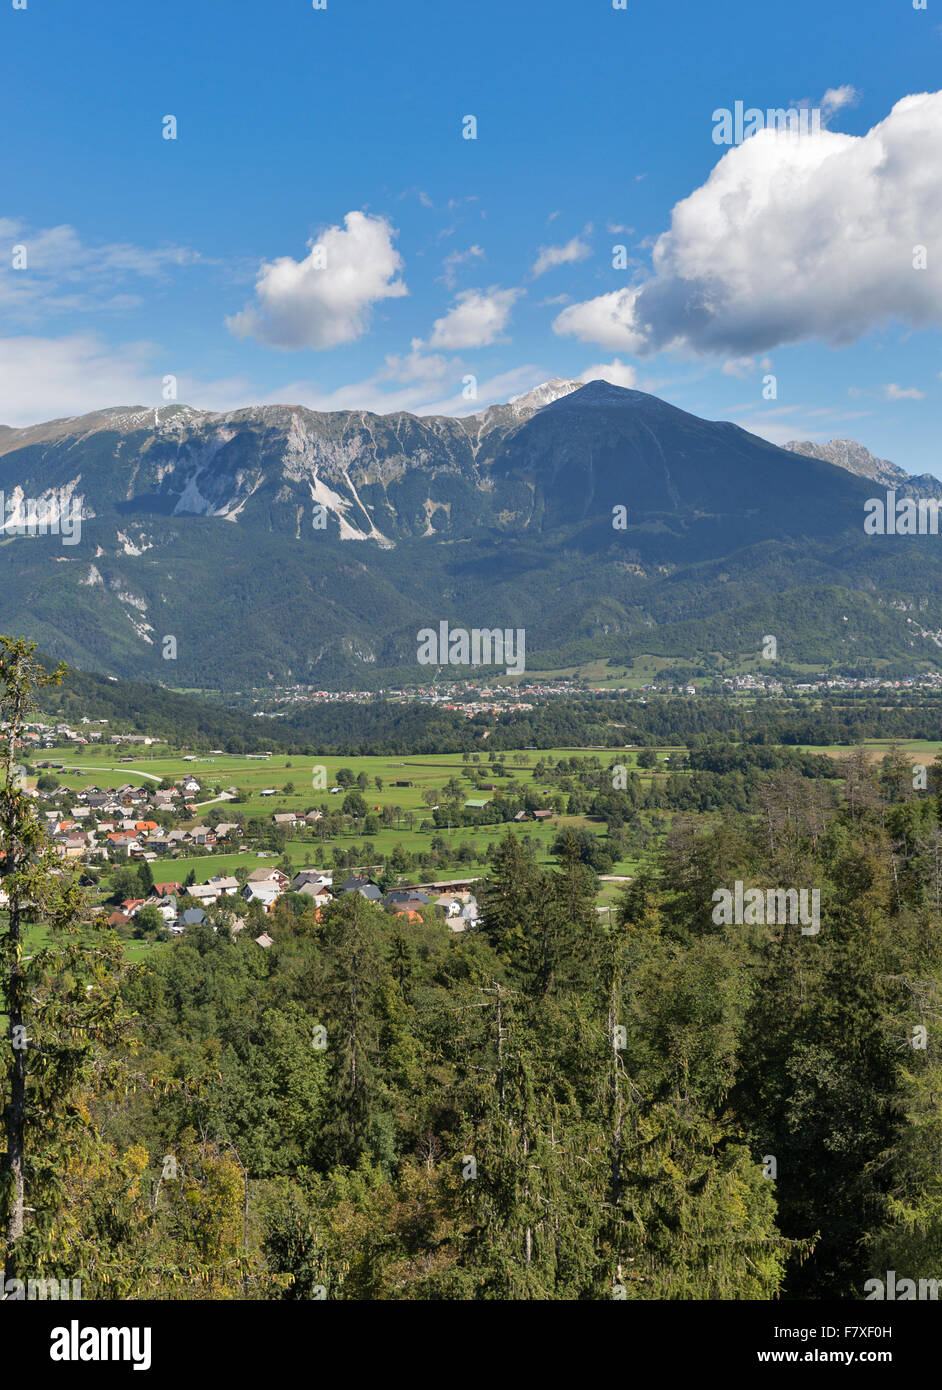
(252, 776)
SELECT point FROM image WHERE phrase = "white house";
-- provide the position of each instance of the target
(267, 892)
(225, 885)
(204, 893)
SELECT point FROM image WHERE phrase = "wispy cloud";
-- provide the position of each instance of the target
(44, 378)
(50, 271)
(892, 391)
(746, 366)
(549, 257)
(458, 258)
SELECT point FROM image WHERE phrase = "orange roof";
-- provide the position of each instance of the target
(146, 825)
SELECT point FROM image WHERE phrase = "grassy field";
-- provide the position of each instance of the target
(37, 937)
(94, 767)
(423, 772)
(256, 775)
(103, 767)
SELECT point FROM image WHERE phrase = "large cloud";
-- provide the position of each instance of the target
(324, 300)
(44, 378)
(791, 237)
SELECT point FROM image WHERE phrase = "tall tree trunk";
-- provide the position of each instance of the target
(15, 1110)
(616, 1106)
(14, 1115)
(20, 677)
(500, 1049)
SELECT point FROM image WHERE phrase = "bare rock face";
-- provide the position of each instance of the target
(847, 453)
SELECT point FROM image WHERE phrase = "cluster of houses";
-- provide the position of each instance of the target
(164, 899)
(266, 886)
(114, 822)
(457, 901)
(117, 823)
(36, 733)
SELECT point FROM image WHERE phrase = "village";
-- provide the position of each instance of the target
(128, 824)
(155, 861)
(263, 888)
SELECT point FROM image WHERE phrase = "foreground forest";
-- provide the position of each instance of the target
(557, 1105)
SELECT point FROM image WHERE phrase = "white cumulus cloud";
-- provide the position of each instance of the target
(476, 320)
(608, 320)
(836, 98)
(791, 237)
(325, 299)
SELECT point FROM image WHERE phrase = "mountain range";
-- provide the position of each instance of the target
(280, 544)
(847, 453)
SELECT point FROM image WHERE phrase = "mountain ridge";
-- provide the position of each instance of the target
(856, 458)
(278, 543)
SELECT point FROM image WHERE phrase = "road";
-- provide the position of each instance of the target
(71, 767)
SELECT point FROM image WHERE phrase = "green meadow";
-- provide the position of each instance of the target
(293, 781)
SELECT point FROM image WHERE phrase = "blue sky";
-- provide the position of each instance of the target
(321, 233)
